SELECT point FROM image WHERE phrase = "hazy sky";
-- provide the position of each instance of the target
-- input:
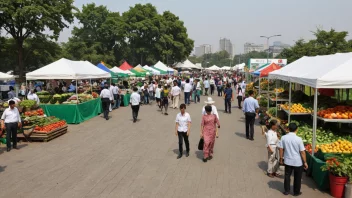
(244, 21)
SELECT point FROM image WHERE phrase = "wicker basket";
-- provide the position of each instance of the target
(28, 130)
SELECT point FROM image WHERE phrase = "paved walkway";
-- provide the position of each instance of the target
(117, 158)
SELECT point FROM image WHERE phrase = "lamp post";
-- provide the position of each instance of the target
(267, 43)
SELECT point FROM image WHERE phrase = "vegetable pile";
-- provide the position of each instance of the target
(49, 127)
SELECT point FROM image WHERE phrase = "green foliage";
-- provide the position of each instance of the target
(30, 18)
(140, 35)
(325, 43)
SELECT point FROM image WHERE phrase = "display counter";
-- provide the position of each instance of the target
(74, 113)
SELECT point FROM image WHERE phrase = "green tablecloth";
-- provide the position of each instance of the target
(74, 113)
(320, 177)
(125, 99)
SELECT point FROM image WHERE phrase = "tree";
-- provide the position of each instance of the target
(154, 37)
(37, 52)
(30, 18)
(98, 36)
(325, 43)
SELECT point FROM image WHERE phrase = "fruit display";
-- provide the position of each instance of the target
(49, 127)
(338, 112)
(297, 108)
(279, 90)
(340, 146)
(38, 112)
(27, 103)
(44, 124)
(309, 148)
(95, 95)
(272, 110)
(322, 136)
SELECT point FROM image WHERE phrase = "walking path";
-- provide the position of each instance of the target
(118, 158)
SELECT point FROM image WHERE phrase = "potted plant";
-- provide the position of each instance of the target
(348, 189)
(339, 169)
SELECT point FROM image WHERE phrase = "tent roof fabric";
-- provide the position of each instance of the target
(139, 68)
(257, 72)
(125, 66)
(162, 72)
(154, 71)
(163, 67)
(118, 70)
(68, 69)
(272, 67)
(187, 65)
(213, 68)
(4, 76)
(225, 68)
(103, 67)
(138, 74)
(329, 71)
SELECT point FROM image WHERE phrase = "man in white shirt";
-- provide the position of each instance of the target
(106, 99)
(11, 120)
(33, 96)
(292, 149)
(135, 101)
(206, 86)
(198, 88)
(175, 93)
(243, 87)
(182, 130)
(116, 94)
(187, 91)
(158, 95)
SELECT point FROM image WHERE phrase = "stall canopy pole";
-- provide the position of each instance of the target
(76, 91)
(268, 96)
(259, 86)
(289, 103)
(276, 82)
(315, 120)
(91, 85)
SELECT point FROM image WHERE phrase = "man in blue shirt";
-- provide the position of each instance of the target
(228, 95)
(72, 88)
(292, 148)
(250, 109)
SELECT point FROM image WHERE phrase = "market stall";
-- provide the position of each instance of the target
(323, 72)
(125, 66)
(152, 70)
(161, 66)
(74, 108)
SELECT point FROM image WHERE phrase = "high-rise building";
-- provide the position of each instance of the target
(226, 45)
(277, 48)
(203, 49)
(251, 47)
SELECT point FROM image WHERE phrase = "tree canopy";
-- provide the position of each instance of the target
(30, 19)
(325, 43)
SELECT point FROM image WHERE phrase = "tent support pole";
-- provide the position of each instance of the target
(259, 86)
(276, 97)
(268, 95)
(315, 120)
(25, 91)
(91, 86)
(77, 92)
(289, 103)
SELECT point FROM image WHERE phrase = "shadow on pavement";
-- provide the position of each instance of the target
(263, 165)
(242, 134)
(20, 146)
(199, 154)
(2, 168)
(277, 185)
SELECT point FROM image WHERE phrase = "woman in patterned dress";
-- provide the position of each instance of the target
(208, 132)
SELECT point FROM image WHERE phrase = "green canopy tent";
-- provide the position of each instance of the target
(162, 72)
(138, 74)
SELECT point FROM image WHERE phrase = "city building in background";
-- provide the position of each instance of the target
(203, 49)
(226, 45)
(251, 47)
(277, 48)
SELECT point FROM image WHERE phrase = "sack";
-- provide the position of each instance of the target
(201, 144)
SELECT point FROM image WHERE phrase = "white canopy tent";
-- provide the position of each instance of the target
(225, 68)
(118, 70)
(239, 66)
(213, 68)
(186, 65)
(154, 71)
(330, 71)
(67, 69)
(4, 76)
(163, 67)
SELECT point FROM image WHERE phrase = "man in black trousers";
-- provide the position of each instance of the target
(250, 109)
(106, 98)
(11, 120)
(292, 148)
(135, 101)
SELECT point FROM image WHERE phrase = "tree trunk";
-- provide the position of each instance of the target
(19, 70)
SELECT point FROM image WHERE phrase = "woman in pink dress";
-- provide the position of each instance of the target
(208, 132)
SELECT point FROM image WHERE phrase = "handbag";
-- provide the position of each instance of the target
(201, 144)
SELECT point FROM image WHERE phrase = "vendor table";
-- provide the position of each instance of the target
(320, 177)
(74, 113)
(125, 99)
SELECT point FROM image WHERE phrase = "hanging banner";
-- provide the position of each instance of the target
(253, 64)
